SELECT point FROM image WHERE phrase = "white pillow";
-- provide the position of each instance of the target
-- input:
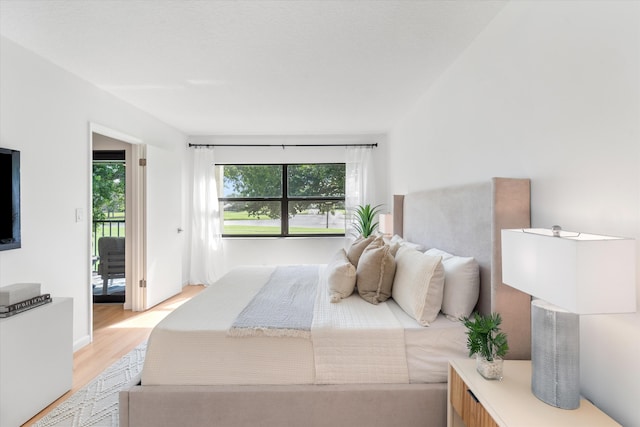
(418, 284)
(461, 284)
(341, 276)
(439, 252)
(399, 240)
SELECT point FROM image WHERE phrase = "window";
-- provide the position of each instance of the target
(254, 198)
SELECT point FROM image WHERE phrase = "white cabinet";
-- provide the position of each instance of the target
(36, 360)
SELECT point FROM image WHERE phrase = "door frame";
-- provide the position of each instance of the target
(138, 229)
(137, 222)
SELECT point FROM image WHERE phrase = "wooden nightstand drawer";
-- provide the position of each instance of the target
(457, 389)
(466, 404)
(476, 402)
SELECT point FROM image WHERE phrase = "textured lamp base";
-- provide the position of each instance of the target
(555, 355)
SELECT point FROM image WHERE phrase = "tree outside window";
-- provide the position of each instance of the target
(255, 197)
(108, 190)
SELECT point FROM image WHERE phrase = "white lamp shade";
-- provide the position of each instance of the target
(582, 273)
(385, 224)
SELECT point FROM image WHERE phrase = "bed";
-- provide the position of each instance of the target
(259, 383)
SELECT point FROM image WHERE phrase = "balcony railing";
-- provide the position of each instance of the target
(109, 289)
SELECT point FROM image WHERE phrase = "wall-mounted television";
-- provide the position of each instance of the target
(9, 199)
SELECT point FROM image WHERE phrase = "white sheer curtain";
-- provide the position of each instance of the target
(206, 244)
(357, 185)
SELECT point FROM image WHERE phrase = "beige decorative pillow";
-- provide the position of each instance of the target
(461, 284)
(375, 272)
(357, 247)
(419, 284)
(341, 276)
(377, 242)
(394, 248)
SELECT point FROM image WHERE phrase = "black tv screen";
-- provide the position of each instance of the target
(9, 199)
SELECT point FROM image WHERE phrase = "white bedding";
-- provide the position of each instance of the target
(191, 346)
(355, 342)
(429, 349)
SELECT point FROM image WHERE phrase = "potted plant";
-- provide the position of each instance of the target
(365, 216)
(487, 342)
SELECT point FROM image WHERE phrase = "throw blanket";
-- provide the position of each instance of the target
(283, 307)
(355, 342)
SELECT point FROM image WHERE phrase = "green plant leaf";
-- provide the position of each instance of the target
(484, 336)
(365, 219)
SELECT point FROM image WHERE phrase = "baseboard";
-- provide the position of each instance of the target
(78, 344)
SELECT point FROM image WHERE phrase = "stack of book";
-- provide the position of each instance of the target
(21, 297)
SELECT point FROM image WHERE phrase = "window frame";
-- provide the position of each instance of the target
(284, 201)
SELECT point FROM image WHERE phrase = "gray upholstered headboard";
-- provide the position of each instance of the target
(466, 220)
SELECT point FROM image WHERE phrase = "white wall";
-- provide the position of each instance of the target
(291, 250)
(45, 113)
(549, 91)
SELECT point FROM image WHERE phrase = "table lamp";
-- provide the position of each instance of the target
(569, 274)
(385, 224)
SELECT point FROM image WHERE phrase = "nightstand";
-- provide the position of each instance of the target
(473, 401)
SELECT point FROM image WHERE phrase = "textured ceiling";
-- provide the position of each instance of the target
(254, 67)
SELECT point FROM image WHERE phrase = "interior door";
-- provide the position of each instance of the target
(163, 249)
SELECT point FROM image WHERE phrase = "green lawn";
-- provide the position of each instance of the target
(244, 215)
(237, 229)
(303, 230)
(256, 229)
(115, 230)
(239, 215)
(250, 229)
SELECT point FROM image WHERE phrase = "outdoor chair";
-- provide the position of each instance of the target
(111, 259)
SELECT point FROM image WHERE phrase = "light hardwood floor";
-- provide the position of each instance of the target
(115, 333)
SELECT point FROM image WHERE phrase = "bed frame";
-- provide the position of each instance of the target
(463, 220)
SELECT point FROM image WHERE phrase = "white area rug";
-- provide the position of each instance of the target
(96, 404)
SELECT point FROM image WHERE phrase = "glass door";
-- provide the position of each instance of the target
(108, 282)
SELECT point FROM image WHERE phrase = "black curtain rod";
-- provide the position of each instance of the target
(284, 145)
